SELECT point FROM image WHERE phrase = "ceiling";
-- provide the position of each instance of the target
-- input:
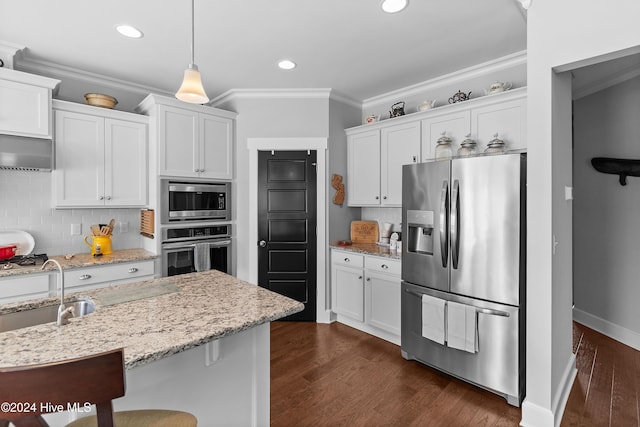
(351, 47)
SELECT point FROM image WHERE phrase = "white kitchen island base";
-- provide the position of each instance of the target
(232, 391)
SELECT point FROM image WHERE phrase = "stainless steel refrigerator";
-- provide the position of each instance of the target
(463, 269)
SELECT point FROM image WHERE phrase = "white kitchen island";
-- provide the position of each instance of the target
(202, 348)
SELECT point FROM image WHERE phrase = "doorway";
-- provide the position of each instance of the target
(287, 218)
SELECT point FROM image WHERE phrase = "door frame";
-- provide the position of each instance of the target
(323, 314)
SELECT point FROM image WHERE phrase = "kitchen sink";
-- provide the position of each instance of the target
(44, 314)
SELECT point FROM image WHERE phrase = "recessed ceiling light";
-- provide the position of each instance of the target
(286, 64)
(393, 6)
(129, 31)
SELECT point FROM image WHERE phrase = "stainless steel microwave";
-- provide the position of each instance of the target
(194, 201)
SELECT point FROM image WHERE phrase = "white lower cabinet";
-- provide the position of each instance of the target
(104, 275)
(22, 288)
(365, 293)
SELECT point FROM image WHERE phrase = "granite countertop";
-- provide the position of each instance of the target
(208, 306)
(368, 249)
(84, 260)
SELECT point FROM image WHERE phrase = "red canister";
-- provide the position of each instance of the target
(7, 251)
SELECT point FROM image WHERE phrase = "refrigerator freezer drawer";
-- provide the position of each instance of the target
(498, 365)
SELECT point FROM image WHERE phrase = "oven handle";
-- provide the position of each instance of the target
(214, 244)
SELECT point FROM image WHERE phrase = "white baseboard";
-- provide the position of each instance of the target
(617, 332)
(534, 415)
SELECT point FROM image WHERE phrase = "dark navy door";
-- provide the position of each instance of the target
(287, 226)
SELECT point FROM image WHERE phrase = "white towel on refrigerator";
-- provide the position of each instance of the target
(433, 317)
(462, 327)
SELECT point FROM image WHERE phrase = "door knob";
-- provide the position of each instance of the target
(262, 243)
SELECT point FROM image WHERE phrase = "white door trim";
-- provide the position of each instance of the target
(293, 144)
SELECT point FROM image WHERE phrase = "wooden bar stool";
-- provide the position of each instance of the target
(96, 379)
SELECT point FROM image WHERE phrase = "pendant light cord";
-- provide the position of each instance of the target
(192, 34)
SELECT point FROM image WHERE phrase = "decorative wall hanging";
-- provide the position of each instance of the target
(620, 167)
(336, 182)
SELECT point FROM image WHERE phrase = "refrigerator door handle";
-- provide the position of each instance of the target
(455, 226)
(444, 222)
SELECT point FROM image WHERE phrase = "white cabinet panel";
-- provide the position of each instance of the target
(103, 275)
(348, 292)
(507, 119)
(399, 145)
(363, 179)
(178, 142)
(125, 163)
(216, 152)
(383, 301)
(24, 287)
(455, 126)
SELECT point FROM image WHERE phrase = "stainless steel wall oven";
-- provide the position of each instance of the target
(194, 201)
(188, 249)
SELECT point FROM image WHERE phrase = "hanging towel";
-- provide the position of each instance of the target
(461, 327)
(202, 257)
(433, 317)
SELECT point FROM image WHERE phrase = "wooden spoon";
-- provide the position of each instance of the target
(95, 229)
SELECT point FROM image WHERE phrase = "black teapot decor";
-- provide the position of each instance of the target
(459, 97)
(397, 110)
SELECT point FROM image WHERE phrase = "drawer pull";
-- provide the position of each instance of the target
(85, 277)
(385, 266)
(359, 277)
(347, 260)
(133, 270)
(368, 279)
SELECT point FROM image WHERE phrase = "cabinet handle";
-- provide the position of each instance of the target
(100, 197)
(85, 277)
(359, 277)
(133, 270)
(108, 197)
(385, 198)
(415, 159)
(347, 260)
(368, 279)
(385, 266)
(377, 197)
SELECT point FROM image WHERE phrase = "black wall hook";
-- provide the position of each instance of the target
(620, 167)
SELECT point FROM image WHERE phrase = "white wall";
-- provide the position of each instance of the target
(25, 204)
(605, 219)
(560, 35)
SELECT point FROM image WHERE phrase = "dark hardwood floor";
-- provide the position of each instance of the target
(334, 375)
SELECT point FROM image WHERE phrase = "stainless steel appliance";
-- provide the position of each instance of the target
(188, 249)
(463, 269)
(201, 201)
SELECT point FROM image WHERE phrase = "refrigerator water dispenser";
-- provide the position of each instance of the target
(420, 228)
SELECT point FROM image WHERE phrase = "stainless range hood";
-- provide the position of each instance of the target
(27, 154)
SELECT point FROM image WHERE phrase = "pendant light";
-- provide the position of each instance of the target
(191, 89)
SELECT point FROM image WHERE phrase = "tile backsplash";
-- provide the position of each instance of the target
(382, 215)
(26, 204)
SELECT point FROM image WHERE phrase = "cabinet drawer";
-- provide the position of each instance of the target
(30, 286)
(347, 258)
(383, 265)
(108, 273)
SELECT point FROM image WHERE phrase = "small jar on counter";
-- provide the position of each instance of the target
(467, 147)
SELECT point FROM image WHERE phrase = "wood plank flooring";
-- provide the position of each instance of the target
(334, 375)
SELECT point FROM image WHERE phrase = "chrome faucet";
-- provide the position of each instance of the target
(63, 312)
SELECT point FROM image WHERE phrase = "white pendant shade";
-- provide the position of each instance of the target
(191, 89)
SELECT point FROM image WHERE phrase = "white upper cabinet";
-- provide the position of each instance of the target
(101, 157)
(193, 141)
(507, 119)
(25, 104)
(363, 180)
(454, 125)
(375, 164)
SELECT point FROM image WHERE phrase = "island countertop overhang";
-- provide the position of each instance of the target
(209, 305)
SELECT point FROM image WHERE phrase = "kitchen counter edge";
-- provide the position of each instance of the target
(368, 249)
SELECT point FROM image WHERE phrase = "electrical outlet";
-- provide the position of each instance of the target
(76, 229)
(123, 226)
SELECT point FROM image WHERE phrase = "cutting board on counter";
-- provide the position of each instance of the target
(364, 231)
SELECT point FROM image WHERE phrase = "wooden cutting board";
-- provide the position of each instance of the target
(364, 231)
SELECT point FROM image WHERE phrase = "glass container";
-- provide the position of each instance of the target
(495, 146)
(443, 149)
(467, 147)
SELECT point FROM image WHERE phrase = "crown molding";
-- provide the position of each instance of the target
(612, 79)
(309, 93)
(62, 72)
(451, 79)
